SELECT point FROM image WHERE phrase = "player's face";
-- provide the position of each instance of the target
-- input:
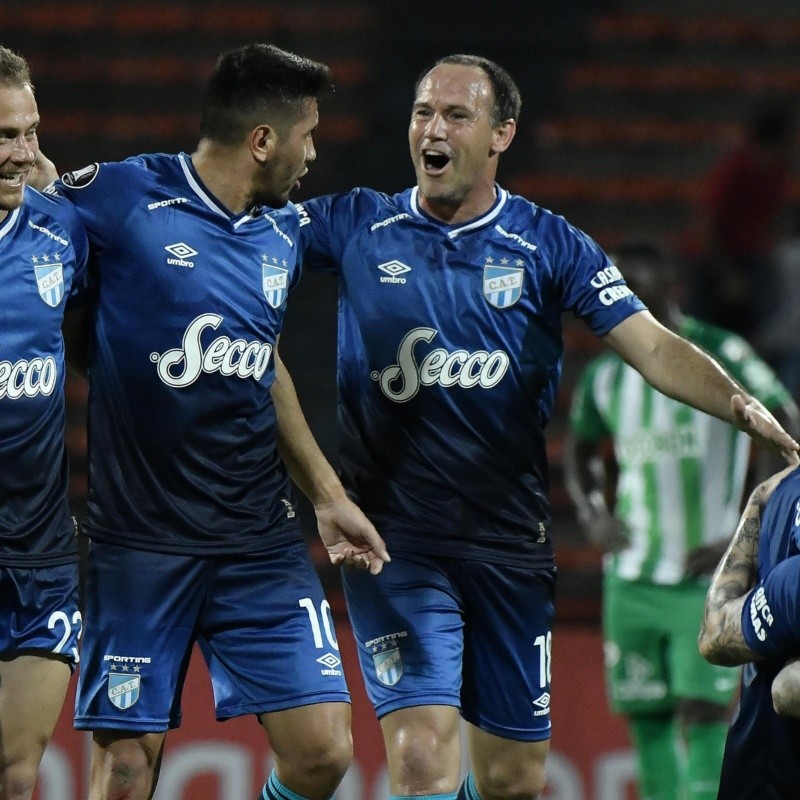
(453, 142)
(293, 152)
(19, 146)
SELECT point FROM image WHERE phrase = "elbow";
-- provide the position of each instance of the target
(712, 651)
(784, 695)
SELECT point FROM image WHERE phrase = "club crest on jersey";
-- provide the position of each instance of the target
(49, 279)
(123, 690)
(80, 178)
(275, 282)
(502, 285)
(388, 666)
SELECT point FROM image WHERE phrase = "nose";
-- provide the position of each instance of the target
(24, 150)
(311, 153)
(435, 127)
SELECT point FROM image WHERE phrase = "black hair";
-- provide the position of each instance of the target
(507, 99)
(257, 79)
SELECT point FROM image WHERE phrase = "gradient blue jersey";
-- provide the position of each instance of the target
(42, 259)
(182, 453)
(450, 351)
(762, 752)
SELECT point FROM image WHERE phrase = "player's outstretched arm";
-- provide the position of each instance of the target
(721, 639)
(683, 371)
(349, 536)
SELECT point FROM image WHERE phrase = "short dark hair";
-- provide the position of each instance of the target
(14, 69)
(507, 99)
(252, 80)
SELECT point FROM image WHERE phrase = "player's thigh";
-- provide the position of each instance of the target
(408, 626)
(141, 610)
(32, 690)
(507, 649)
(636, 635)
(504, 767)
(268, 635)
(691, 675)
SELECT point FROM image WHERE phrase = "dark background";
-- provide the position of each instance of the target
(626, 106)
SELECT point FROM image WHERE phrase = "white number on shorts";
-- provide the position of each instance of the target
(327, 621)
(61, 617)
(544, 643)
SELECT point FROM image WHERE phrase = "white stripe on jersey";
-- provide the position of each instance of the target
(493, 212)
(9, 223)
(198, 189)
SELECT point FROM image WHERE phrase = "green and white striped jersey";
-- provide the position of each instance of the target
(682, 472)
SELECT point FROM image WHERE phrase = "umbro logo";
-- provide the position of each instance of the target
(393, 269)
(543, 704)
(182, 253)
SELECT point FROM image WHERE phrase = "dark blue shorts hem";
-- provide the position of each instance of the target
(242, 710)
(112, 724)
(412, 700)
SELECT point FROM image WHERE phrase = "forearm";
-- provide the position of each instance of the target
(584, 479)
(681, 370)
(786, 690)
(306, 463)
(721, 640)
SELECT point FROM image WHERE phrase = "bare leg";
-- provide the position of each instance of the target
(313, 747)
(125, 765)
(423, 749)
(32, 690)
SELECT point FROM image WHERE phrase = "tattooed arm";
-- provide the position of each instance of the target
(721, 639)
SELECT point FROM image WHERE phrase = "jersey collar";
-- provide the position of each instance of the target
(208, 199)
(9, 222)
(478, 222)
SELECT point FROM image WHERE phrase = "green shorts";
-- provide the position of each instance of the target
(651, 654)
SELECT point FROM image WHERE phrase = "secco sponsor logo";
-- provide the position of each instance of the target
(401, 381)
(760, 614)
(182, 365)
(26, 378)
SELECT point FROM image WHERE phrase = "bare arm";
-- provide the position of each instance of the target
(586, 479)
(347, 534)
(786, 690)
(684, 372)
(721, 639)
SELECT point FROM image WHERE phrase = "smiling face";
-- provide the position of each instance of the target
(291, 152)
(455, 143)
(19, 146)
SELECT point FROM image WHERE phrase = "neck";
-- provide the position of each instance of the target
(3, 215)
(225, 173)
(455, 210)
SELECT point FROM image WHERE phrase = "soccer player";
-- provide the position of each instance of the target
(42, 258)
(759, 626)
(450, 346)
(193, 528)
(677, 476)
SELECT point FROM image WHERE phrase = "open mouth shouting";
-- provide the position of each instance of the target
(434, 162)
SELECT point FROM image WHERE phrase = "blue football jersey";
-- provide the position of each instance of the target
(450, 351)
(762, 749)
(42, 260)
(190, 303)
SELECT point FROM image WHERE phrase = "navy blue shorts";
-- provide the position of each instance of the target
(41, 609)
(262, 623)
(435, 631)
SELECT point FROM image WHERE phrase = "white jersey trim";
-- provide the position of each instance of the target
(198, 190)
(9, 223)
(480, 222)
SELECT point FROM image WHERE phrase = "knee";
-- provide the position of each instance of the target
(321, 762)
(17, 781)
(509, 781)
(124, 769)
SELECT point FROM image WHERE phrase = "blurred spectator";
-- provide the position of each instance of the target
(778, 337)
(743, 199)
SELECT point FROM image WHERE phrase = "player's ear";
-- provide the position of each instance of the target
(503, 135)
(263, 140)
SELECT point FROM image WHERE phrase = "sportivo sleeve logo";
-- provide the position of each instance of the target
(183, 365)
